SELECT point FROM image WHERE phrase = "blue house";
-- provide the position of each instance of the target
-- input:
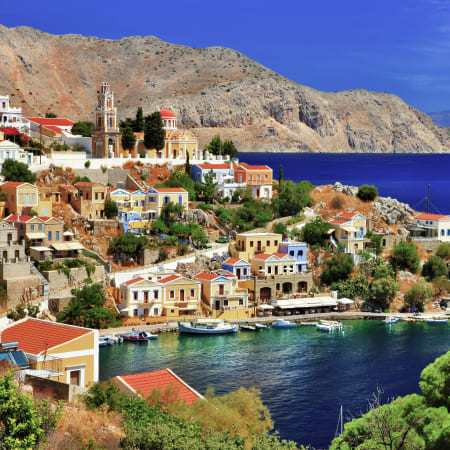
(238, 267)
(220, 171)
(298, 250)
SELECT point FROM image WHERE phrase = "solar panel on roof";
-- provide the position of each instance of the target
(20, 359)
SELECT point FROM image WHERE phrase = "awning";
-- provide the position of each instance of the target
(264, 306)
(41, 249)
(331, 231)
(68, 233)
(35, 235)
(68, 246)
(351, 229)
(149, 211)
(345, 301)
(311, 302)
(187, 308)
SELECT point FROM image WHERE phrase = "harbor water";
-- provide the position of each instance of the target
(304, 375)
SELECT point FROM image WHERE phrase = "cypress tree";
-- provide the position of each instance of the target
(154, 132)
(280, 174)
(187, 167)
(128, 139)
(139, 122)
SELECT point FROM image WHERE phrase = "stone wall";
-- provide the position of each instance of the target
(428, 245)
(43, 387)
(148, 256)
(59, 281)
(101, 226)
(23, 289)
(10, 271)
(272, 283)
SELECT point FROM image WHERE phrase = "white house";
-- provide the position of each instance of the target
(434, 226)
(10, 150)
(12, 117)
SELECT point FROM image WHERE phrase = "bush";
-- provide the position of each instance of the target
(443, 250)
(367, 193)
(434, 267)
(419, 295)
(13, 170)
(337, 268)
(144, 177)
(87, 164)
(406, 256)
(163, 254)
(224, 215)
(103, 168)
(337, 202)
(127, 243)
(205, 207)
(383, 291)
(280, 228)
(315, 232)
(111, 209)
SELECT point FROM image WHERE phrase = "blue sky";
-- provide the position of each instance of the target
(396, 46)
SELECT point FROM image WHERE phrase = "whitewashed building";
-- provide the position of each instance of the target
(12, 117)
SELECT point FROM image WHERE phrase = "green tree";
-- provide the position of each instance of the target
(139, 122)
(183, 180)
(128, 139)
(382, 270)
(338, 268)
(126, 123)
(367, 193)
(83, 128)
(443, 250)
(280, 174)
(435, 382)
(353, 287)
(224, 215)
(405, 256)
(229, 148)
(159, 227)
(187, 167)
(111, 209)
(434, 267)
(198, 235)
(419, 294)
(280, 228)
(154, 133)
(207, 190)
(13, 170)
(375, 242)
(383, 291)
(292, 198)
(315, 232)
(128, 244)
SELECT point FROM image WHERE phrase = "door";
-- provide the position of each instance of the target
(145, 312)
(259, 246)
(265, 293)
(221, 289)
(217, 305)
(238, 273)
(27, 199)
(75, 376)
(181, 295)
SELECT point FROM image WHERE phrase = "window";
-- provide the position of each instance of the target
(241, 302)
(32, 227)
(250, 178)
(155, 295)
(192, 292)
(142, 203)
(266, 177)
(12, 197)
(245, 270)
(151, 199)
(57, 236)
(166, 200)
(135, 295)
(225, 302)
(21, 198)
(251, 243)
(291, 253)
(269, 269)
(172, 294)
(49, 235)
(180, 200)
(103, 196)
(275, 243)
(136, 203)
(40, 227)
(33, 198)
(268, 243)
(300, 253)
(442, 232)
(448, 232)
(96, 196)
(6, 197)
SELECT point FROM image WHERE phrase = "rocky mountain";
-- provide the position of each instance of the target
(207, 88)
(441, 118)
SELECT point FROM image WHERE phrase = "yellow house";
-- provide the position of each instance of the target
(141, 297)
(349, 230)
(181, 295)
(158, 198)
(128, 200)
(220, 291)
(90, 199)
(63, 353)
(249, 244)
(18, 198)
(265, 265)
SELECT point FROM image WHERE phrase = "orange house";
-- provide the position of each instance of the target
(258, 178)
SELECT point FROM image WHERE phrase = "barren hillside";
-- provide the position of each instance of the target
(206, 88)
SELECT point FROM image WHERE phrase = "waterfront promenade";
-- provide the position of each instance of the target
(349, 315)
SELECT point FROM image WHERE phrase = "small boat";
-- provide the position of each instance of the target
(281, 323)
(138, 336)
(311, 324)
(328, 325)
(436, 320)
(102, 342)
(207, 327)
(260, 326)
(390, 320)
(114, 339)
(248, 328)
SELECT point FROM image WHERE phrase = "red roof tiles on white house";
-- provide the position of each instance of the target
(58, 122)
(427, 216)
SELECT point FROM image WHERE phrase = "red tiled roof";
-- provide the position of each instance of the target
(68, 187)
(174, 189)
(247, 167)
(280, 255)
(134, 280)
(262, 256)
(213, 166)
(85, 183)
(35, 336)
(427, 216)
(169, 278)
(348, 215)
(232, 261)
(166, 113)
(337, 222)
(144, 383)
(12, 183)
(207, 276)
(51, 121)
(17, 218)
(54, 128)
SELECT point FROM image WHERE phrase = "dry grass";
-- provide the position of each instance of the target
(80, 428)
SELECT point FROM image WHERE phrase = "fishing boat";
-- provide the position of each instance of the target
(390, 320)
(102, 342)
(261, 326)
(138, 336)
(281, 323)
(210, 326)
(328, 325)
(436, 320)
(248, 328)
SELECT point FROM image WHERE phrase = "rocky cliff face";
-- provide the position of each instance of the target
(256, 107)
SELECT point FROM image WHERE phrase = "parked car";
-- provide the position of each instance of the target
(207, 245)
(223, 240)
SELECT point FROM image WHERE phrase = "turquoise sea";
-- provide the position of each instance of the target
(304, 375)
(402, 176)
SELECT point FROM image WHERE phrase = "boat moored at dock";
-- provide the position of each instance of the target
(281, 323)
(208, 326)
(138, 336)
(390, 320)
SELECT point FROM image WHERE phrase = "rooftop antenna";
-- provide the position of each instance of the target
(428, 200)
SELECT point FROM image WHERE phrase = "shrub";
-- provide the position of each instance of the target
(111, 209)
(367, 193)
(103, 168)
(315, 232)
(143, 177)
(280, 228)
(434, 267)
(419, 295)
(205, 207)
(337, 202)
(406, 256)
(224, 215)
(383, 291)
(87, 164)
(443, 250)
(337, 268)
(163, 254)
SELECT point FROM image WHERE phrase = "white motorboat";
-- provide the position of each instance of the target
(281, 323)
(207, 327)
